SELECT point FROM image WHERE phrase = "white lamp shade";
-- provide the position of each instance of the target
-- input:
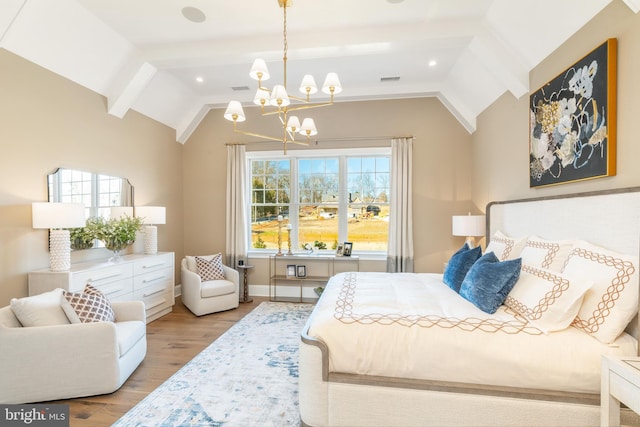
(262, 97)
(234, 112)
(279, 96)
(468, 225)
(332, 81)
(293, 124)
(308, 85)
(152, 214)
(57, 215)
(259, 67)
(118, 212)
(308, 127)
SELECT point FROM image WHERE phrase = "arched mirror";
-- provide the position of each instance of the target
(98, 192)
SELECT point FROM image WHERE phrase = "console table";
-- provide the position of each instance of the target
(147, 278)
(293, 273)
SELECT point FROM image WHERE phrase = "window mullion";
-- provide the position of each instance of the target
(343, 199)
(294, 202)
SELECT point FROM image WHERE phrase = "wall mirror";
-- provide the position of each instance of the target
(98, 192)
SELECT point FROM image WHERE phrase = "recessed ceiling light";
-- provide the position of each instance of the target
(199, 79)
(433, 63)
(395, 1)
(193, 14)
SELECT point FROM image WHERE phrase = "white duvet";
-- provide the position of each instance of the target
(410, 325)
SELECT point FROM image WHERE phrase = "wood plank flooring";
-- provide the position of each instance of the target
(172, 341)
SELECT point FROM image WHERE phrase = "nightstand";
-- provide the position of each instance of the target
(620, 383)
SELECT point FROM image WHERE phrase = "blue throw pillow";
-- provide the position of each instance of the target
(489, 281)
(459, 265)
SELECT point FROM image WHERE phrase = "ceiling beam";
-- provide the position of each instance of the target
(129, 87)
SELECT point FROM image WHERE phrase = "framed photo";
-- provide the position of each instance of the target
(291, 271)
(348, 246)
(302, 271)
(339, 249)
(573, 121)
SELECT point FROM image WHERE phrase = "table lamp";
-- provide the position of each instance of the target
(470, 226)
(151, 215)
(57, 217)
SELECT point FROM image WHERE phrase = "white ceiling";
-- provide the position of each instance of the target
(145, 55)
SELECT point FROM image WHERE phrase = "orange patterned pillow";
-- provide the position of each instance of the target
(87, 306)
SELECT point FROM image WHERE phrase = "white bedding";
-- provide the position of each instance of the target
(411, 325)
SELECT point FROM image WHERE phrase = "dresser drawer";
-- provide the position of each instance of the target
(101, 277)
(163, 277)
(156, 298)
(155, 263)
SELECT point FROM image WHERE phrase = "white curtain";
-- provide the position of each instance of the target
(236, 234)
(400, 251)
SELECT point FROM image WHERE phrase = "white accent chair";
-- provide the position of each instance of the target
(41, 363)
(210, 296)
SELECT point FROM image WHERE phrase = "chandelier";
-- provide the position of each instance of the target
(279, 103)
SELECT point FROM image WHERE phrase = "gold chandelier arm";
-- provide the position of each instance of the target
(296, 108)
(271, 138)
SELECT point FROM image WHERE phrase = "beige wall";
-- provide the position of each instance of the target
(49, 122)
(440, 182)
(501, 144)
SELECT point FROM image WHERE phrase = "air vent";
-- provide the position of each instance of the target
(389, 79)
(237, 88)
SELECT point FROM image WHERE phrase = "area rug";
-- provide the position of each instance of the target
(247, 377)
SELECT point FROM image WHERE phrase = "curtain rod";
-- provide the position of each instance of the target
(342, 139)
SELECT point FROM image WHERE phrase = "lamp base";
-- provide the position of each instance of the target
(59, 250)
(150, 240)
(471, 242)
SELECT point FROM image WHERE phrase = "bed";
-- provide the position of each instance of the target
(406, 349)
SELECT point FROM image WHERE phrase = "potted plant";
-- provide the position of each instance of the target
(118, 233)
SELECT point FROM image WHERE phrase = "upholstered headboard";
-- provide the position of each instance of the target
(608, 218)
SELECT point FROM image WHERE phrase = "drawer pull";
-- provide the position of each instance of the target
(115, 291)
(105, 277)
(153, 293)
(153, 279)
(153, 265)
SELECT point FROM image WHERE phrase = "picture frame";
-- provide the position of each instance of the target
(573, 121)
(348, 247)
(291, 271)
(301, 271)
(339, 249)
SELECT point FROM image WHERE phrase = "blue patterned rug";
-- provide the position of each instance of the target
(247, 377)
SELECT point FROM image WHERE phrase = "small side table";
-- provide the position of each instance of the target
(245, 280)
(620, 383)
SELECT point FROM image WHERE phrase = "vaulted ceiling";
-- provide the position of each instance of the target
(174, 60)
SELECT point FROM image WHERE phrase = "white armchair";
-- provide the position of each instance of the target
(40, 363)
(209, 296)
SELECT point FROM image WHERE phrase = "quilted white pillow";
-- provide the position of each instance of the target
(547, 254)
(506, 247)
(40, 310)
(546, 298)
(612, 301)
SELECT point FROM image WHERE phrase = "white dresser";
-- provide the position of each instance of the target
(148, 278)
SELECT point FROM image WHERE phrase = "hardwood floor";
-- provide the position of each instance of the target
(172, 341)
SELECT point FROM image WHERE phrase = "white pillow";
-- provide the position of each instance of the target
(612, 301)
(40, 310)
(505, 247)
(546, 298)
(547, 254)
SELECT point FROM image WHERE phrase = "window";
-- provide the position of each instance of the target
(320, 198)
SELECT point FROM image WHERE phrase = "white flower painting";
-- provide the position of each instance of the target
(572, 122)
